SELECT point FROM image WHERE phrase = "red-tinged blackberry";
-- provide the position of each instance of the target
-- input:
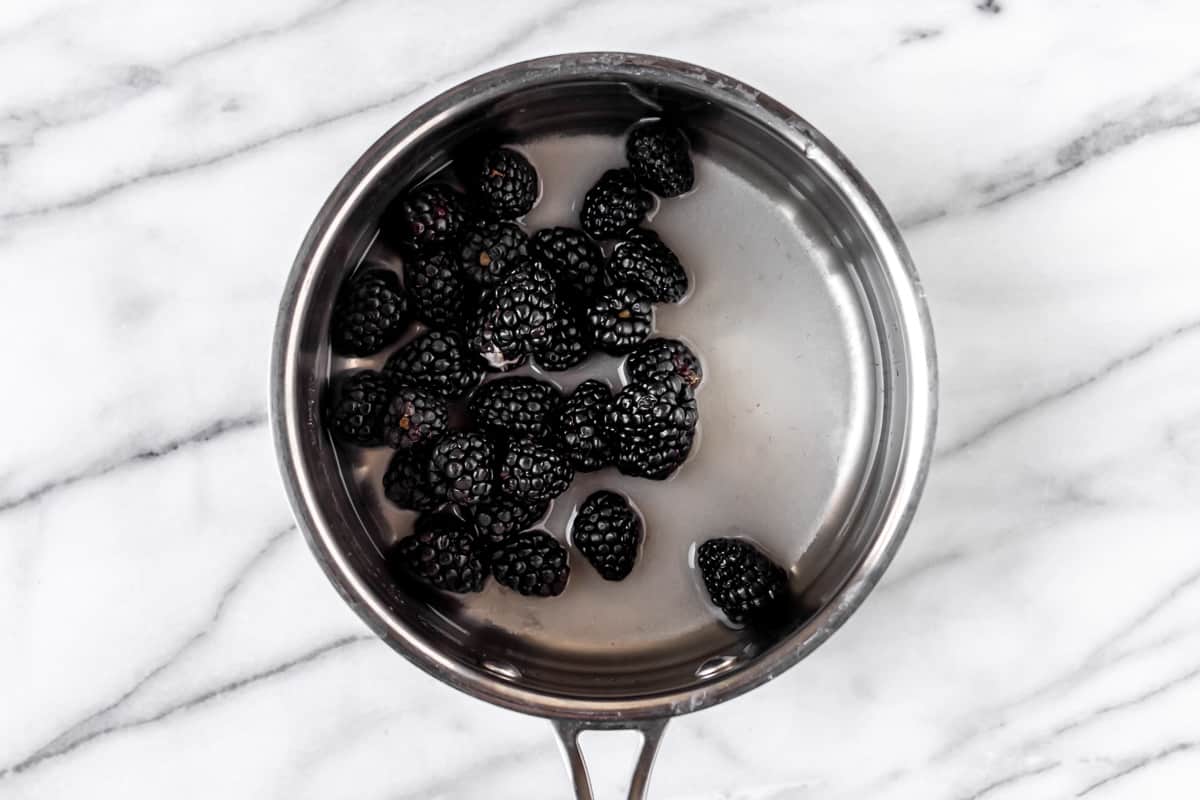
(533, 470)
(506, 184)
(532, 563)
(415, 417)
(500, 516)
(488, 250)
(514, 407)
(651, 426)
(436, 360)
(434, 214)
(658, 154)
(436, 292)
(461, 468)
(356, 415)
(608, 532)
(574, 257)
(620, 318)
(569, 341)
(614, 205)
(656, 357)
(579, 426)
(641, 259)
(515, 318)
(743, 582)
(369, 313)
(442, 551)
(406, 480)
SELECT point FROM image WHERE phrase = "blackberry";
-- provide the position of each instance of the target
(406, 480)
(533, 470)
(436, 360)
(579, 426)
(431, 215)
(514, 407)
(488, 250)
(515, 319)
(656, 357)
(356, 416)
(608, 532)
(369, 313)
(436, 293)
(461, 468)
(652, 426)
(620, 318)
(415, 417)
(641, 259)
(658, 154)
(532, 563)
(743, 582)
(576, 259)
(614, 205)
(500, 516)
(506, 184)
(569, 340)
(443, 552)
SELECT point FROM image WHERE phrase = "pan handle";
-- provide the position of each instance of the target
(568, 740)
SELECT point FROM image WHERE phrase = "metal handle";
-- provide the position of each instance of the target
(568, 740)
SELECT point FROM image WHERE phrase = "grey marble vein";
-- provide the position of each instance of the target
(1110, 708)
(1011, 779)
(1139, 764)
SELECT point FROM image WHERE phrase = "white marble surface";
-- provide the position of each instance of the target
(164, 630)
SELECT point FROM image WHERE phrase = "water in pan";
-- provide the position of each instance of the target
(785, 409)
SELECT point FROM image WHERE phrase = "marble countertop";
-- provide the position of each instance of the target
(165, 632)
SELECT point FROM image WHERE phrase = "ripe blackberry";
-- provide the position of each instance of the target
(577, 260)
(500, 516)
(436, 360)
(406, 480)
(743, 582)
(533, 563)
(658, 154)
(433, 214)
(436, 293)
(515, 319)
(620, 318)
(415, 417)
(656, 357)
(614, 205)
(652, 426)
(488, 250)
(569, 341)
(506, 184)
(356, 416)
(533, 470)
(579, 426)
(461, 468)
(608, 532)
(514, 407)
(369, 313)
(443, 552)
(641, 259)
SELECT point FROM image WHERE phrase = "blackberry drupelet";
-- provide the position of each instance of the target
(533, 470)
(434, 214)
(515, 319)
(488, 250)
(620, 318)
(461, 468)
(579, 426)
(532, 563)
(658, 154)
(514, 407)
(651, 426)
(500, 516)
(436, 360)
(436, 292)
(369, 313)
(743, 582)
(406, 480)
(575, 258)
(641, 259)
(415, 417)
(614, 205)
(656, 357)
(356, 415)
(570, 338)
(608, 532)
(443, 552)
(506, 184)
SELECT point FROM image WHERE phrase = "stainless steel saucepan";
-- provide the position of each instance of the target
(881, 387)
